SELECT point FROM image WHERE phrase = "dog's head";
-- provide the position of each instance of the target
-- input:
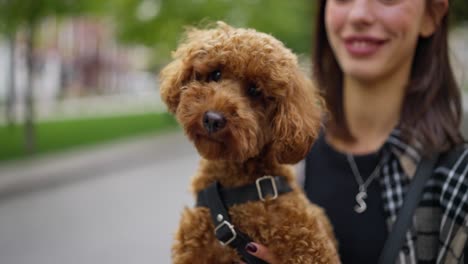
(238, 93)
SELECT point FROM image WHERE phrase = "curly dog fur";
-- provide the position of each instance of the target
(269, 116)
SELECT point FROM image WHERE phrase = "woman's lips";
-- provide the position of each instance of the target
(363, 46)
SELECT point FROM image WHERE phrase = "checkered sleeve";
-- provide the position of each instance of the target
(452, 183)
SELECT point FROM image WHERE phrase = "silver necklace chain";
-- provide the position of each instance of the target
(362, 194)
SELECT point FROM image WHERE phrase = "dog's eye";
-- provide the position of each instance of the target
(253, 90)
(214, 76)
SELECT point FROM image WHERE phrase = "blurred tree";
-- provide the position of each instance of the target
(160, 23)
(26, 15)
(7, 28)
(11, 95)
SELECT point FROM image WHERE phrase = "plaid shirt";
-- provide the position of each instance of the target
(440, 223)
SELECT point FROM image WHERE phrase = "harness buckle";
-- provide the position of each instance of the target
(259, 187)
(230, 229)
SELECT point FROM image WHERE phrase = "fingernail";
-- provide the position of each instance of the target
(251, 248)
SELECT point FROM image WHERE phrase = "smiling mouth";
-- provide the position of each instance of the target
(363, 48)
(361, 44)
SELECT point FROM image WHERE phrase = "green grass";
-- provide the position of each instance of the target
(62, 135)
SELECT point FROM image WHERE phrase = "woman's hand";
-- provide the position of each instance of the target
(261, 252)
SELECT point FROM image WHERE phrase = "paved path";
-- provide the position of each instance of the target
(122, 207)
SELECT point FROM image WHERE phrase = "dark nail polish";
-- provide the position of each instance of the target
(251, 248)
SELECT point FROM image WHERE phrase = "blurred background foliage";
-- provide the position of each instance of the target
(158, 24)
(459, 11)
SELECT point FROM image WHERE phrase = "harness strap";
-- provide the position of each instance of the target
(225, 232)
(263, 187)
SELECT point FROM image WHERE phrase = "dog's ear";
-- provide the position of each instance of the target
(172, 79)
(177, 73)
(297, 121)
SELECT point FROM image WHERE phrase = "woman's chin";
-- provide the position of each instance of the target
(363, 74)
(365, 70)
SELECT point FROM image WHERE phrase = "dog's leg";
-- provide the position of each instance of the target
(195, 242)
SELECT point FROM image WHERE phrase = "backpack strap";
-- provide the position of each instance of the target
(396, 238)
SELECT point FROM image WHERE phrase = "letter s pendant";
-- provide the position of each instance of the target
(361, 206)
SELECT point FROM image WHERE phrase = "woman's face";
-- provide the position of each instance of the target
(374, 39)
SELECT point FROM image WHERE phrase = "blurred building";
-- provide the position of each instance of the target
(90, 60)
(76, 58)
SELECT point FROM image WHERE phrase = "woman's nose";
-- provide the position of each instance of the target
(361, 12)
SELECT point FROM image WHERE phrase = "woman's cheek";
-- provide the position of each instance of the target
(335, 20)
(335, 17)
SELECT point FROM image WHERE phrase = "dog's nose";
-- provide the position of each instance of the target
(213, 121)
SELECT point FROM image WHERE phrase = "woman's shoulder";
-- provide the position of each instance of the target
(450, 183)
(454, 162)
(448, 190)
(451, 172)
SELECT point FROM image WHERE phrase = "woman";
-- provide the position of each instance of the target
(384, 70)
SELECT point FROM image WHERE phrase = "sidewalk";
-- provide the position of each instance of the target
(51, 170)
(116, 203)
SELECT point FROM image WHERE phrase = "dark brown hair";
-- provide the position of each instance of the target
(431, 111)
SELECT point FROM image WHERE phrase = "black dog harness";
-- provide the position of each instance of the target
(218, 199)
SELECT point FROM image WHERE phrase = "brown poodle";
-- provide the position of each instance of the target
(243, 101)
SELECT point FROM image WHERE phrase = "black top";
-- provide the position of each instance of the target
(330, 183)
